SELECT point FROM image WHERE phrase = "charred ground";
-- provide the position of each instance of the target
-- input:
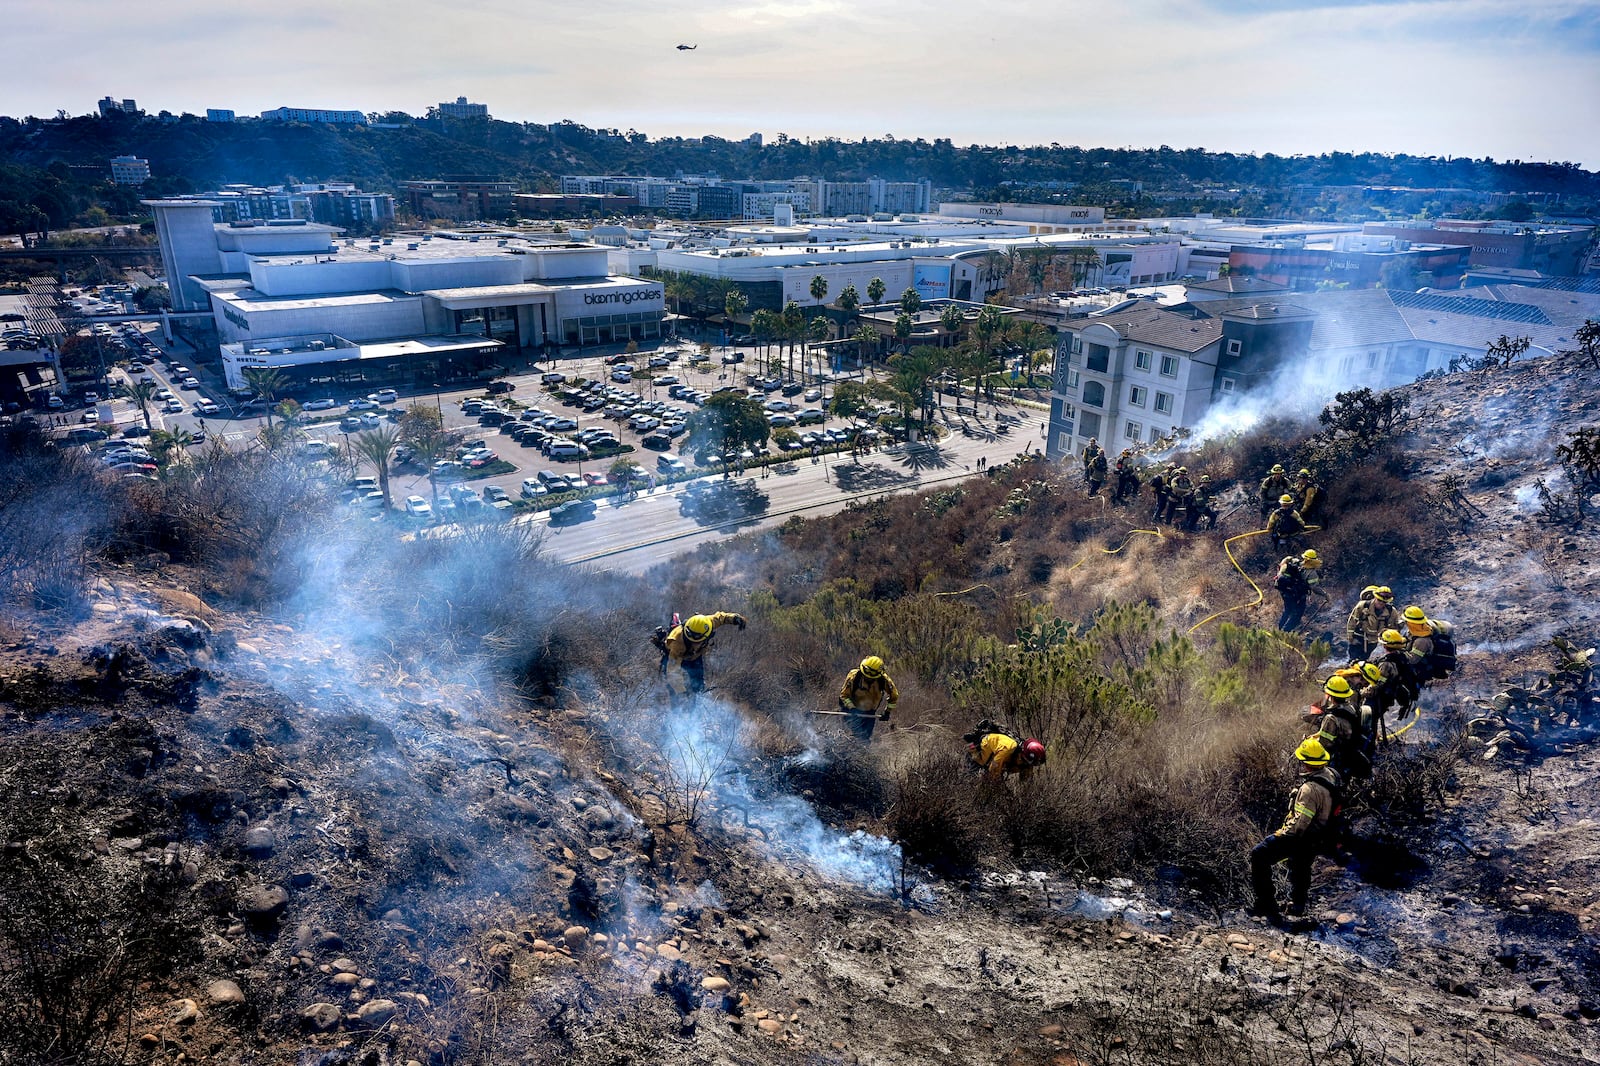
(282, 790)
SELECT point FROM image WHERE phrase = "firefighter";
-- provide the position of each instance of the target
(1398, 672)
(1273, 486)
(687, 645)
(1306, 492)
(1200, 506)
(1127, 476)
(868, 696)
(1091, 452)
(1094, 472)
(1292, 585)
(1342, 729)
(1373, 613)
(1285, 523)
(1158, 487)
(1180, 494)
(998, 753)
(1312, 810)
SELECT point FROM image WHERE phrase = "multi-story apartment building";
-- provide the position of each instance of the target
(129, 170)
(314, 114)
(1131, 377)
(462, 109)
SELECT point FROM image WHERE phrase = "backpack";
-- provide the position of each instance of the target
(1410, 684)
(1442, 662)
(987, 726)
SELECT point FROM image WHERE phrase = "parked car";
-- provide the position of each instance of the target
(553, 378)
(417, 507)
(500, 388)
(532, 488)
(811, 416)
(667, 379)
(813, 395)
(190, 383)
(622, 376)
(779, 421)
(669, 464)
(315, 449)
(658, 442)
(359, 404)
(318, 405)
(594, 478)
(568, 451)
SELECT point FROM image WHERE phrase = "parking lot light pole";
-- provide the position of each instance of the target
(437, 402)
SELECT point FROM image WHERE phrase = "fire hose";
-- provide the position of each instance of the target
(1260, 595)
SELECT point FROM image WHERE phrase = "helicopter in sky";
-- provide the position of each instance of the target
(687, 47)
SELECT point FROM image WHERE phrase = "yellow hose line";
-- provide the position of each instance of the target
(1260, 596)
(1113, 551)
(963, 592)
(1414, 720)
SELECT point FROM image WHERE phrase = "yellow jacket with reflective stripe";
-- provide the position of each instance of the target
(867, 693)
(1311, 807)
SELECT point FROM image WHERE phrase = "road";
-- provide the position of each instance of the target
(651, 529)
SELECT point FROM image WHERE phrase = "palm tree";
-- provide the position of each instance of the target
(952, 318)
(911, 302)
(794, 330)
(734, 304)
(376, 446)
(764, 327)
(848, 301)
(902, 331)
(267, 383)
(142, 392)
(866, 343)
(168, 445)
(875, 290)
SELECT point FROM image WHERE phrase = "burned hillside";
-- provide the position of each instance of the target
(296, 792)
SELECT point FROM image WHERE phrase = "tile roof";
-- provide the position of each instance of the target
(1242, 283)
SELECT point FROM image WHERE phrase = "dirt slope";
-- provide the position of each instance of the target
(361, 859)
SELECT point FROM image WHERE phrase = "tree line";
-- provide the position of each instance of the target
(56, 169)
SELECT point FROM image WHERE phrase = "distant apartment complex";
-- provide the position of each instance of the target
(314, 115)
(109, 107)
(129, 170)
(462, 109)
(219, 114)
(331, 203)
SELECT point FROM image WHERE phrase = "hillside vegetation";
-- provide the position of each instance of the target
(425, 800)
(187, 154)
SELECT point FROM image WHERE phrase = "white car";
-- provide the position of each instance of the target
(532, 487)
(190, 383)
(362, 405)
(384, 396)
(164, 394)
(319, 405)
(206, 407)
(417, 507)
(315, 449)
(174, 406)
(622, 377)
(813, 395)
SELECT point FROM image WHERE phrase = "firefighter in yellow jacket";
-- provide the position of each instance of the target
(868, 696)
(687, 645)
(1312, 809)
(999, 753)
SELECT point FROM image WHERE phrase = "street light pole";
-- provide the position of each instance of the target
(437, 402)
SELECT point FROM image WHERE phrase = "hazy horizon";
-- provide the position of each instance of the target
(1421, 77)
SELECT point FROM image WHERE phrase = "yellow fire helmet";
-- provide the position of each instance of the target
(1311, 752)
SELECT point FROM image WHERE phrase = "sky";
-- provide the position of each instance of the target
(1511, 80)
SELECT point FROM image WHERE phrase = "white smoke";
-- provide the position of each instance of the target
(705, 752)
